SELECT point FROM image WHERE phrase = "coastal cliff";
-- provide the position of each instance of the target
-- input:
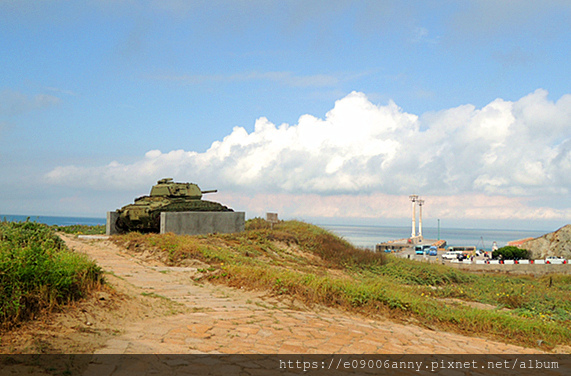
(557, 243)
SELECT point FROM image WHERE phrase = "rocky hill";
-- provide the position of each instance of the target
(557, 243)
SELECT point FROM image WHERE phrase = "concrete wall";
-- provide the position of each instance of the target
(110, 228)
(198, 223)
(530, 269)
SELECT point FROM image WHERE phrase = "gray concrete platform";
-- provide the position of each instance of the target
(200, 223)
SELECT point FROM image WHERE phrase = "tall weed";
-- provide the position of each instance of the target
(38, 272)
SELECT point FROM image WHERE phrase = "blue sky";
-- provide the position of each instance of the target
(332, 111)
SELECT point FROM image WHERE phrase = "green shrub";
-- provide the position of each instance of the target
(510, 253)
(37, 271)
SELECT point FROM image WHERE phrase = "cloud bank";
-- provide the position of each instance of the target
(508, 148)
(363, 153)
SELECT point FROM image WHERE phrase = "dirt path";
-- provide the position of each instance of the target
(217, 319)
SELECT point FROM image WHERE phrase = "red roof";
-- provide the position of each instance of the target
(519, 242)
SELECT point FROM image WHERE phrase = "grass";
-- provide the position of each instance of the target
(38, 272)
(80, 229)
(305, 262)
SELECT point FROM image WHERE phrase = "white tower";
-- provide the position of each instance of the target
(420, 203)
(413, 199)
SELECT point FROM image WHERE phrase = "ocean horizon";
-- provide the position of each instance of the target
(359, 235)
(54, 220)
(369, 236)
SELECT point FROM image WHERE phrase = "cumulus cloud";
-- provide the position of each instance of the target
(363, 159)
(505, 148)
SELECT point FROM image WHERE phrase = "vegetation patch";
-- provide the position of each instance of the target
(301, 261)
(511, 253)
(38, 272)
(80, 229)
(416, 273)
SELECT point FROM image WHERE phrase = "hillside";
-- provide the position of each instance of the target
(303, 262)
(557, 243)
(295, 288)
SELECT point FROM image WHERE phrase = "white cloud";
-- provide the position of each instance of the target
(373, 153)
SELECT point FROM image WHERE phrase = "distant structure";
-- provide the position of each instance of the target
(413, 199)
(416, 242)
(420, 203)
(414, 236)
(272, 219)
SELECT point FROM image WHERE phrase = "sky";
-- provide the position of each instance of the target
(326, 111)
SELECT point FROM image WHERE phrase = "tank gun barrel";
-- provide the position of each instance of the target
(209, 191)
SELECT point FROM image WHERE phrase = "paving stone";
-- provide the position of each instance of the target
(238, 321)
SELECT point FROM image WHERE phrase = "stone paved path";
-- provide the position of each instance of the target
(234, 321)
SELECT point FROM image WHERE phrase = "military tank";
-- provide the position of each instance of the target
(144, 215)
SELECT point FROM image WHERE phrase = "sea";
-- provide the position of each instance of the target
(59, 221)
(369, 236)
(359, 235)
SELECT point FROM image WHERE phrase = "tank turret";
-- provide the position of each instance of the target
(167, 188)
(144, 214)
